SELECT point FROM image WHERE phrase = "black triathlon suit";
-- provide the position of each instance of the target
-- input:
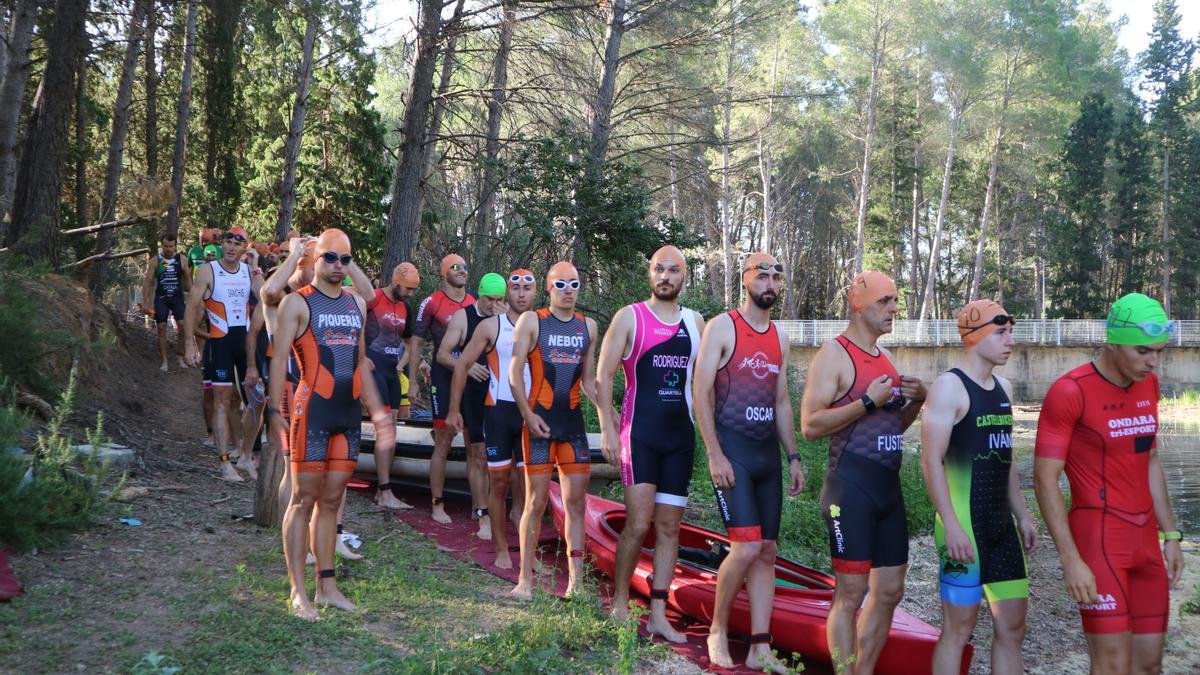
(861, 499)
(168, 290)
(744, 395)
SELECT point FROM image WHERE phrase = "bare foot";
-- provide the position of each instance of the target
(764, 660)
(387, 500)
(164, 367)
(658, 625)
(439, 515)
(485, 529)
(574, 587)
(181, 363)
(620, 610)
(334, 598)
(522, 591)
(208, 442)
(302, 608)
(718, 651)
(503, 560)
(229, 473)
(246, 463)
(343, 550)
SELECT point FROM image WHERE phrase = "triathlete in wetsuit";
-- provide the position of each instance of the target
(653, 439)
(458, 333)
(983, 527)
(390, 322)
(559, 346)
(433, 316)
(856, 397)
(745, 415)
(1100, 423)
(323, 324)
(222, 292)
(502, 422)
(168, 280)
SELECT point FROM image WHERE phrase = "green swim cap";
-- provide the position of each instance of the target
(492, 285)
(1137, 319)
(214, 249)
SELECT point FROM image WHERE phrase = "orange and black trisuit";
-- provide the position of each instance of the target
(1105, 434)
(325, 409)
(861, 499)
(744, 401)
(502, 423)
(555, 371)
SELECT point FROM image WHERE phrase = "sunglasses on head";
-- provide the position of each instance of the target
(998, 320)
(456, 267)
(521, 279)
(1151, 328)
(562, 284)
(236, 237)
(331, 257)
(766, 267)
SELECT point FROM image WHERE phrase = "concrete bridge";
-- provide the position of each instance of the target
(1045, 350)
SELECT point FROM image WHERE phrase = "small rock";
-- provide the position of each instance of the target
(118, 456)
(131, 492)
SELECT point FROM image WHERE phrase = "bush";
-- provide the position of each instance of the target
(59, 492)
(26, 343)
(12, 422)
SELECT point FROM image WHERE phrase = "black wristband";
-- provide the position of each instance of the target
(794, 457)
(868, 403)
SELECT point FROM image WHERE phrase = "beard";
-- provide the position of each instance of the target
(764, 301)
(666, 292)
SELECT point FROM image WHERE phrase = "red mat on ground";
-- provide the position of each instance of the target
(459, 540)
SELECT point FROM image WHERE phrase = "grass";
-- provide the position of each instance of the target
(1189, 398)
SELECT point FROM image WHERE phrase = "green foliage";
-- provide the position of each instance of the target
(58, 493)
(1192, 604)
(12, 421)
(154, 663)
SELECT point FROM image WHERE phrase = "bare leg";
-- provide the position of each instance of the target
(222, 403)
(840, 631)
(760, 586)
(518, 493)
(295, 539)
(477, 479)
(162, 345)
(251, 423)
(574, 488)
(1008, 621)
(442, 438)
(666, 553)
(875, 620)
(1111, 653)
(497, 491)
(639, 511)
(383, 473)
(958, 623)
(324, 537)
(537, 494)
(1147, 654)
(730, 575)
(208, 407)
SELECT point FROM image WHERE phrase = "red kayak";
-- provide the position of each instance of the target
(802, 594)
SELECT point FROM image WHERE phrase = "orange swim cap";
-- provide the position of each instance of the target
(262, 249)
(333, 240)
(451, 259)
(669, 254)
(561, 270)
(754, 260)
(976, 320)
(867, 289)
(406, 275)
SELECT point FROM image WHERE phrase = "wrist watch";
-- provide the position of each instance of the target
(868, 403)
(794, 457)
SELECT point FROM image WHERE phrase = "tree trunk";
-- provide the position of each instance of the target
(151, 85)
(1166, 229)
(36, 210)
(935, 248)
(291, 147)
(914, 268)
(726, 224)
(81, 143)
(5, 19)
(491, 146)
(12, 93)
(865, 185)
(986, 217)
(606, 93)
(404, 216)
(116, 143)
(673, 168)
(182, 112)
(444, 80)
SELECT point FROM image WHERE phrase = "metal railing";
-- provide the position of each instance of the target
(932, 333)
